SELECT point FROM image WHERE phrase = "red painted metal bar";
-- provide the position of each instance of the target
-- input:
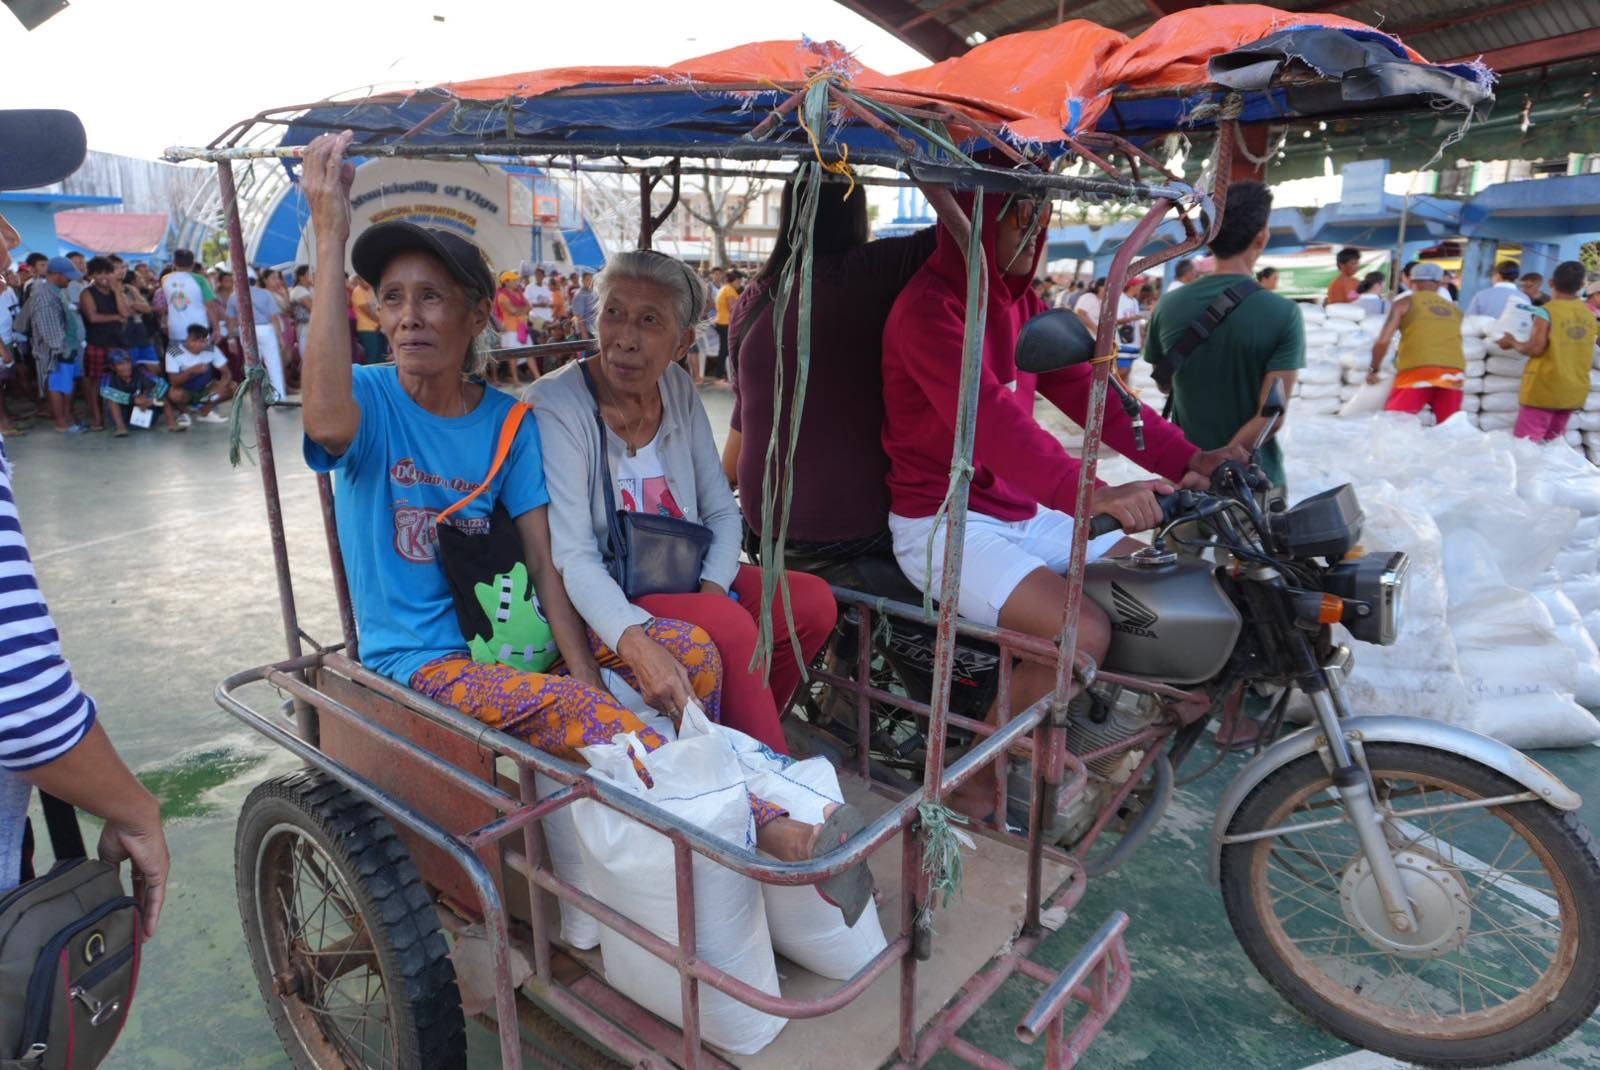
(341, 583)
(526, 816)
(973, 1055)
(1122, 144)
(850, 107)
(1002, 706)
(1105, 355)
(1547, 50)
(305, 717)
(864, 624)
(910, 873)
(658, 1035)
(1221, 176)
(533, 847)
(1021, 644)
(784, 107)
(919, 709)
(683, 955)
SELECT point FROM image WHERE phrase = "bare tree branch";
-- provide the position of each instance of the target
(723, 207)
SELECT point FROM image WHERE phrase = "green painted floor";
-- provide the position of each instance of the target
(153, 554)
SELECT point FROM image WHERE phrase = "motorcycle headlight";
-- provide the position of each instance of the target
(1373, 589)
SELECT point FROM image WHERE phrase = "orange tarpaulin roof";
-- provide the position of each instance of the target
(1041, 81)
(787, 65)
(1048, 74)
(1039, 86)
(783, 63)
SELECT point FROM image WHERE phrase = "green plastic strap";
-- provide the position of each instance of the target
(775, 515)
(253, 373)
(971, 368)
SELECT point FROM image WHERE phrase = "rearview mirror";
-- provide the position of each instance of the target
(1274, 403)
(42, 145)
(1053, 340)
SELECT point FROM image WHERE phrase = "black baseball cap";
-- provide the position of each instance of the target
(464, 260)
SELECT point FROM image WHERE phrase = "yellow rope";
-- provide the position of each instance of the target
(841, 166)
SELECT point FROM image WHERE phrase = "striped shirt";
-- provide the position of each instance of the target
(43, 714)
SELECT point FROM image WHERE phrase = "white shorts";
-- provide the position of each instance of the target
(998, 555)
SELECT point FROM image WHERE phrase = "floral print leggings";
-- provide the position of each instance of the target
(560, 715)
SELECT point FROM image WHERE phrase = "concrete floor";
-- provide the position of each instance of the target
(154, 556)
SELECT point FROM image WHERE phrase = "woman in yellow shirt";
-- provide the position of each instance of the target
(727, 297)
(1560, 353)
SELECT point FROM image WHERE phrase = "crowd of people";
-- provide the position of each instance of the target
(105, 345)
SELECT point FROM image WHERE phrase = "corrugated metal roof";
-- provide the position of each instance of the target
(1493, 26)
(1439, 29)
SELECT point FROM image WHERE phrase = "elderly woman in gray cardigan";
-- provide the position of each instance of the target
(659, 454)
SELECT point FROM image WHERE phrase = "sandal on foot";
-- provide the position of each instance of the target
(851, 890)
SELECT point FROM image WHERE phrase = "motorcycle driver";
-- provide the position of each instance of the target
(1024, 483)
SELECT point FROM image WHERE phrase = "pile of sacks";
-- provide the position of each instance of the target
(1339, 342)
(1503, 605)
(1502, 612)
(704, 777)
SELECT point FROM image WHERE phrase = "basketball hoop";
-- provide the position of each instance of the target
(546, 210)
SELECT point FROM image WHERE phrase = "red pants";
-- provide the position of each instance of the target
(1444, 401)
(747, 704)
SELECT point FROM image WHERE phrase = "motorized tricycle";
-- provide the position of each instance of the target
(415, 834)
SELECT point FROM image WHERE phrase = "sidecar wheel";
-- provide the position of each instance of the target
(1505, 959)
(346, 946)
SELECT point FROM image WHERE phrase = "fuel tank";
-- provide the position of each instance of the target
(1170, 622)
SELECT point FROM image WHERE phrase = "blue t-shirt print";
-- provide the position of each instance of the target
(406, 466)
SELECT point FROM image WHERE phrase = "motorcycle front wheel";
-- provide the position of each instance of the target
(1505, 960)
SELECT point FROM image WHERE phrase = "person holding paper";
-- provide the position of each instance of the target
(133, 395)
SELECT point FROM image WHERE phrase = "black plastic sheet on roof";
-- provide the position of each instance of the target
(1350, 70)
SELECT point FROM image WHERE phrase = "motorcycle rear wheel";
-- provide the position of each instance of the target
(1508, 900)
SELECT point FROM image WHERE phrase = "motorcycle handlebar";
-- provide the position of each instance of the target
(1105, 523)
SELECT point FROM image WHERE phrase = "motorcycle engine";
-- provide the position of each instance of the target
(1095, 720)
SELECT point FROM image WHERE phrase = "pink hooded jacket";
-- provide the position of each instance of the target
(1019, 465)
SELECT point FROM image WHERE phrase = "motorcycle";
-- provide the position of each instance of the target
(1413, 887)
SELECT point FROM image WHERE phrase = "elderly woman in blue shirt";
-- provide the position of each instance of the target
(408, 440)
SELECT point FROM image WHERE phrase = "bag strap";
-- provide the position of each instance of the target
(1207, 322)
(66, 838)
(508, 435)
(616, 545)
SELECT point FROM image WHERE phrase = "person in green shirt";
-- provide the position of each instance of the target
(1219, 389)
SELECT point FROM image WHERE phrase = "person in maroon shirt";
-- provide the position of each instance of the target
(839, 518)
(1024, 484)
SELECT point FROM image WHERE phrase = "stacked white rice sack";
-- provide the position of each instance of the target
(1338, 351)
